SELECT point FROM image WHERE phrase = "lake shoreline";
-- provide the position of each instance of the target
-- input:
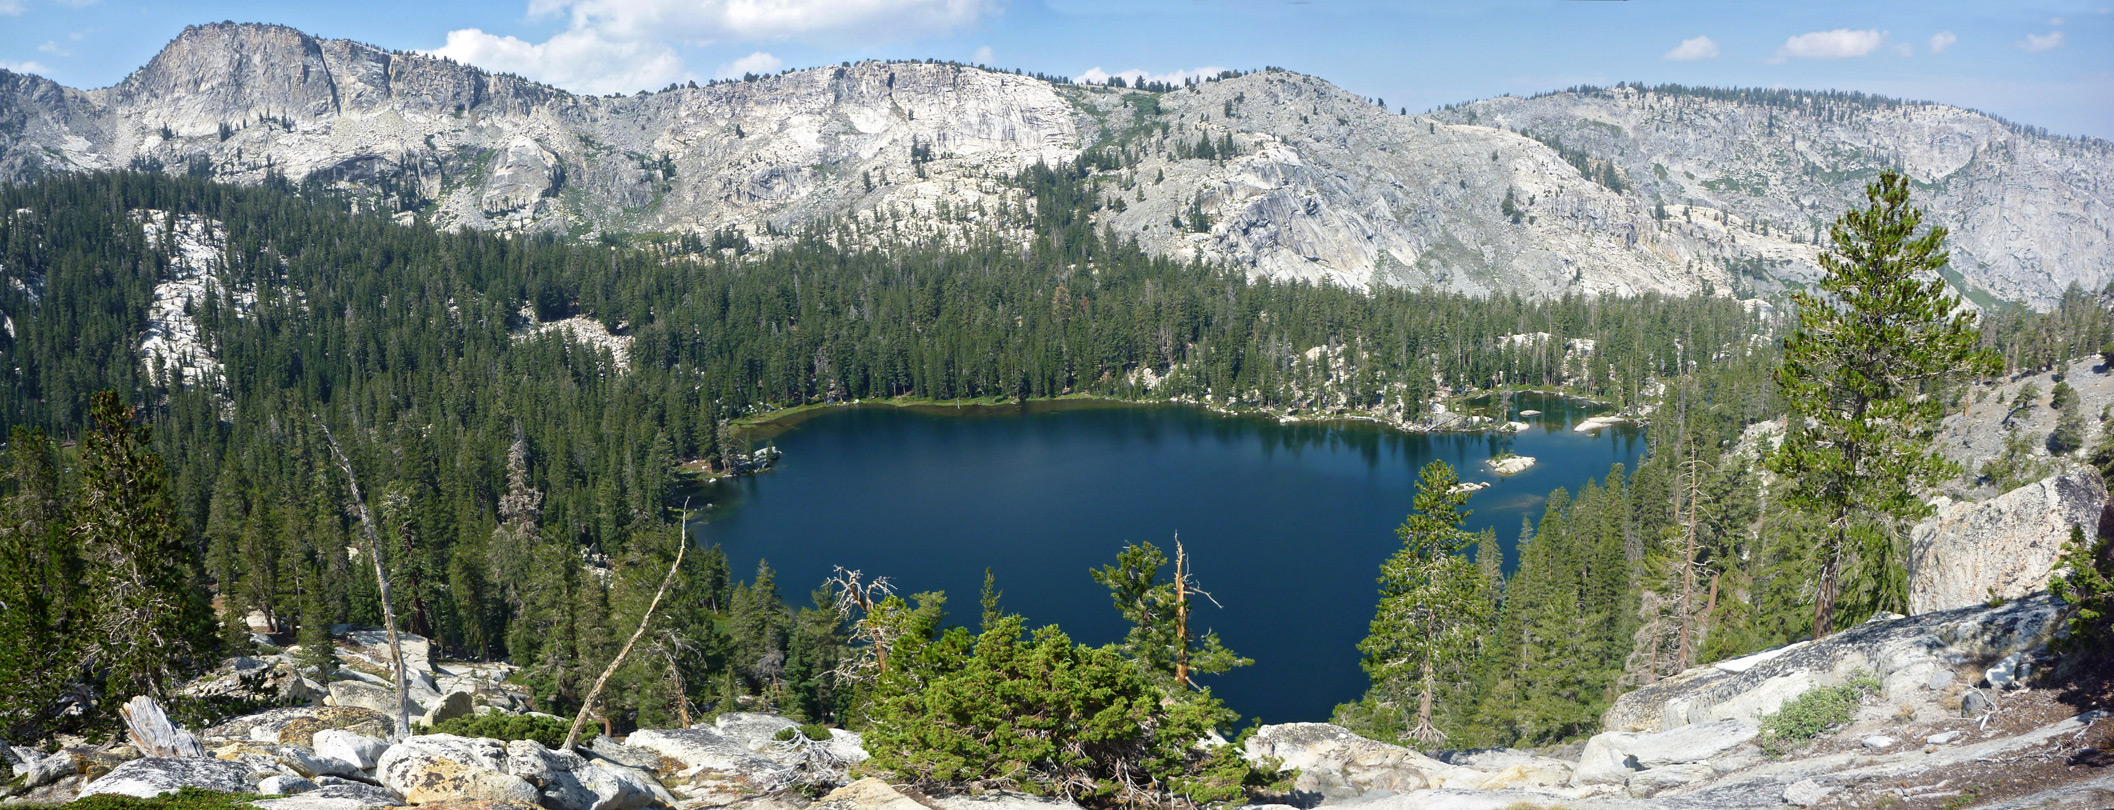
(772, 423)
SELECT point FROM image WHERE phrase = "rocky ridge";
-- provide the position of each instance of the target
(1751, 178)
(1318, 184)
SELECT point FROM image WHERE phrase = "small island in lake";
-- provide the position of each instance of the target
(1511, 465)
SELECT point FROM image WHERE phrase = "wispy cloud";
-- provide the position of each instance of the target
(1098, 76)
(1941, 41)
(52, 47)
(1693, 49)
(1841, 43)
(982, 55)
(2035, 43)
(758, 62)
(621, 45)
(11, 8)
(25, 67)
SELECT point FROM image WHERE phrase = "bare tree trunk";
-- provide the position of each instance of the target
(400, 726)
(1181, 614)
(1425, 732)
(1686, 655)
(152, 732)
(573, 736)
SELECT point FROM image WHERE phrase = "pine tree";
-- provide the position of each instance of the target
(151, 621)
(1859, 378)
(1433, 606)
(1161, 640)
(39, 570)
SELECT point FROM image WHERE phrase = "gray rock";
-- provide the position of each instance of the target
(360, 750)
(1878, 741)
(752, 730)
(1335, 764)
(703, 749)
(363, 695)
(2005, 547)
(1654, 781)
(284, 785)
(1806, 793)
(867, 794)
(307, 764)
(1902, 652)
(1975, 704)
(310, 801)
(1003, 800)
(444, 767)
(1939, 679)
(449, 707)
(1610, 758)
(50, 769)
(2010, 673)
(149, 777)
(1943, 738)
(607, 749)
(354, 790)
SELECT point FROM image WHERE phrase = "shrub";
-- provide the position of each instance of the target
(188, 798)
(1038, 713)
(1812, 714)
(547, 730)
(812, 731)
(2084, 580)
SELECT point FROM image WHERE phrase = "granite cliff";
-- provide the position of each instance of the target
(1285, 175)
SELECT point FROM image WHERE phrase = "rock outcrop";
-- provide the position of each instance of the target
(149, 777)
(2003, 548)
(1904, 653)
(1302, 180)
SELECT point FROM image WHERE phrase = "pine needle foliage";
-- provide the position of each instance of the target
(1434, 606)
(1861, 379)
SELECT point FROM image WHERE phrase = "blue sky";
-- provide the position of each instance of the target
(2048, 64)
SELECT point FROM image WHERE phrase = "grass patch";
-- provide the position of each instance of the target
(1812, 714)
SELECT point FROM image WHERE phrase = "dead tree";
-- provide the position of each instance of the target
(572, 736)
(855, 593)
(400, 726)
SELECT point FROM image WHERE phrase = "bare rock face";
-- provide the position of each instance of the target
(2004, 548)
(1301, 180)
(1615, 757)
(1746, 177)
(1333, 763)
(1903, 653)
(153, 776)
(444, 767)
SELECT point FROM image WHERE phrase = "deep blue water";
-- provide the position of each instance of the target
(1287, 524)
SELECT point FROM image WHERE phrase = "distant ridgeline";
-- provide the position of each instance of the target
(510, 403)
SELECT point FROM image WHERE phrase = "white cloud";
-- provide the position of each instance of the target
(1693, 49)
(623, 45)
(2035, 43)
(580, 61)
(1841, 43)
(2056, 21)
(1099, 76)
(982, 56)
(25, 67)
(1904, 49)
(758, 62)
(52, 47)
(10, 8)
(1941, 41)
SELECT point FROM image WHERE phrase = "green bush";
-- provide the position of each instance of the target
(547, 730)
(2084, 580)
(1813, 713)
(1037, 713)
(812, 731)
(189, 798)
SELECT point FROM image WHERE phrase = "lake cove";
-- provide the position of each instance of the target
(1287, 524)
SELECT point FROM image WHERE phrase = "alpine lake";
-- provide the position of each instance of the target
(1286, 523)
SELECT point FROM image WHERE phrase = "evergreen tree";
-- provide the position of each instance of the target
(1859, 378)
(151, 622)
(1160, 639)
(39, 572)
(1433, 606)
